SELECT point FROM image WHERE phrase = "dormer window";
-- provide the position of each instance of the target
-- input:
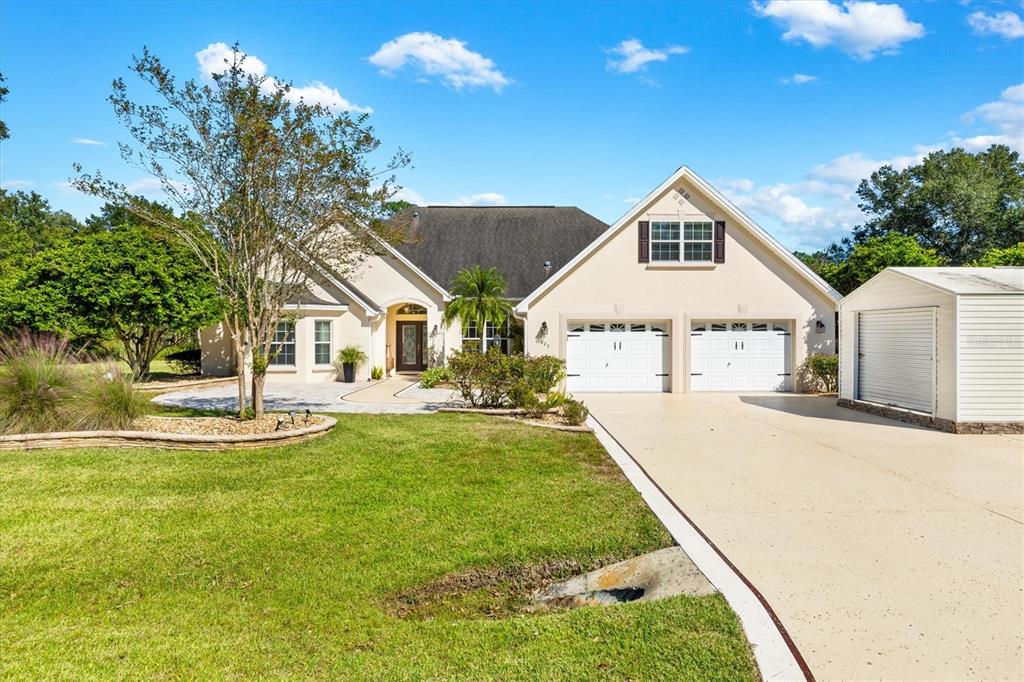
(682, 242)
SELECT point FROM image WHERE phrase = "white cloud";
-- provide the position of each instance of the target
(66, 187)
(88, 141)
(217, 57)
(1006, 24)
(632, 56)
(15, 185)
(445, 58)
(860, 29)
(481, 199)
(798, 79)
(852, 168)
(152, 188)
(631, 200)
(822, 207)
(1006, 114)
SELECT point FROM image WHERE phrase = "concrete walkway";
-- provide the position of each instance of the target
(888, 551)
(377, 397)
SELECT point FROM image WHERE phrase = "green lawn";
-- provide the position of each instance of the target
(300, 561)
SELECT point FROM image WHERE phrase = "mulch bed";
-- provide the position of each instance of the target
(222, 426)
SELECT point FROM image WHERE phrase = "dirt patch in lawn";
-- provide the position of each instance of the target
(225, 426)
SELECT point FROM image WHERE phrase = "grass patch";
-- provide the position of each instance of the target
(282, 562)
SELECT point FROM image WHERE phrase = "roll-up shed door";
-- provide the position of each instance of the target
(896, 358)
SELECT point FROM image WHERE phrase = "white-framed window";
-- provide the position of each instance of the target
(689, 241)
(497, 337)
(282, 349)
(471, 340)
(322, 342)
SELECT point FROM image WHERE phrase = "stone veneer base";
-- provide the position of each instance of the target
(919, 419)
(157, 439)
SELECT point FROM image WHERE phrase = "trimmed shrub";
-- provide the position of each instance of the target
(377, 373)
(106, 399)
(544, 372)
(574, 411)
(187, 361)
(37, 382)
(485, 379)
(820, 372)
(433, 376)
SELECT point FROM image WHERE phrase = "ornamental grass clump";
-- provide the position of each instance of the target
(106, 399)
(44, 387)
(37, 383)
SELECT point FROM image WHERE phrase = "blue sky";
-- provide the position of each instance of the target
(782, 105)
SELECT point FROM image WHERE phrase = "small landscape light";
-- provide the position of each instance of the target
(309, 415)
(280, 423)
(291, 414)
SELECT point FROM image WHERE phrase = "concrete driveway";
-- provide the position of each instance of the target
(888, 551)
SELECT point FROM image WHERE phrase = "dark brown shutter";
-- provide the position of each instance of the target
(644, 256)
(719, 241)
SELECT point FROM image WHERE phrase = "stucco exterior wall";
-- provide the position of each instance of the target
(890, 291)
(752, 283)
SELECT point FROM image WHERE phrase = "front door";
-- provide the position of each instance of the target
(412, 339)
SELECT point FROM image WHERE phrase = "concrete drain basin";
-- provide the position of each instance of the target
(663, 573)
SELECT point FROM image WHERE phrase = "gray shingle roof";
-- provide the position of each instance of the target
(441, 240)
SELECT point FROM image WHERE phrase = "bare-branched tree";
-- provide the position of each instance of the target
(268, 190)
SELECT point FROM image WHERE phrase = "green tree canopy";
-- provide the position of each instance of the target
(957, 203)
(875, 254)
(120, 278)
(1012, 255)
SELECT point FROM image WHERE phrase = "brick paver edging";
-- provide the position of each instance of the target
(156, 439)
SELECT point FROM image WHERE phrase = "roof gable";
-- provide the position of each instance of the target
(731, 210)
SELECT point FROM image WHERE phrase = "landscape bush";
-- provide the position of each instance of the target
(544, 372)
(377, 373)
(433, 376)
(44, 388)
(188, 361)
(574, 411)
(493, 379)
(820, 373)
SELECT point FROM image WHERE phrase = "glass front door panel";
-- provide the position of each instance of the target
(409, 345)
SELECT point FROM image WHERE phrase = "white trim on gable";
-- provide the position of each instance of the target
(684, 172)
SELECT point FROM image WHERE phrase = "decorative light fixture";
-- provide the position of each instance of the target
(543, 329)
(291, 413)
(819, 326)
(280, 423)
(309, 415)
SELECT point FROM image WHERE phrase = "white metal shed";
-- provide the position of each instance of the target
(938, 346)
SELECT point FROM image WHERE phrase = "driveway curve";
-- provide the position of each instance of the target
(888, 551)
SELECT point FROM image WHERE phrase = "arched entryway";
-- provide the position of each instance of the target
(409, 336)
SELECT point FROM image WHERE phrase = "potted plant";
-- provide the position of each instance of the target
(348, 358)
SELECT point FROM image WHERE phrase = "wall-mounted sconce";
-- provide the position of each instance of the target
(433, 332)
(819, 327)
(543, 329)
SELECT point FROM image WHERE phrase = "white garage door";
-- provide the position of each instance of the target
(896, 358)
(617, 356)
(740, 355)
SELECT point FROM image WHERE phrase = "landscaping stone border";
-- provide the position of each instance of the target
(510, 413)
(157, 439)
(921, 419)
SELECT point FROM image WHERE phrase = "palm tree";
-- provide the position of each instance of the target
(478, 295)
